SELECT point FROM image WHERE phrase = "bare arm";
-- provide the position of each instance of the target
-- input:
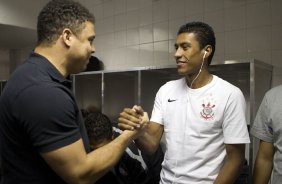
(264, 163)
(75, 166)
(150, 140)
(136, 119)
(232, 165)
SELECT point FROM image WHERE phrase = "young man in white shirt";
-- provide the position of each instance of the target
(201, 115)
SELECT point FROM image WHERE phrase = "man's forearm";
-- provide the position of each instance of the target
(146, 143)
(262, 171)
(230, 171)
(235, 157)
(104, 158)
(75, 166)
(149, 141)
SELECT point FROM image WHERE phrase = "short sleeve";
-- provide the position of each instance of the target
(157, 113)
(235, 129)
(48, 115)
(261, 128)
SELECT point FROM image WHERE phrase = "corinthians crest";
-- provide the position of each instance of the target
(207, 112)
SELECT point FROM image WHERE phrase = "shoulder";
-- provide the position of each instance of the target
(174, 84)
(273, 97)
(274, 92)
(48, 90)
(228, 88)
(228, 93)
(45, 98)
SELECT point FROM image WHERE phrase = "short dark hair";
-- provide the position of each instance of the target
(58, 15)
(98, 126)
(204, 34)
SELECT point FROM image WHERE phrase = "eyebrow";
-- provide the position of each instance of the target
(182, 44)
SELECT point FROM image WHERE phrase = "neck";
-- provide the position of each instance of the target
(52, 53)
(199, 81)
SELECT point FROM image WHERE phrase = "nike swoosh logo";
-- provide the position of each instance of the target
(169, 100)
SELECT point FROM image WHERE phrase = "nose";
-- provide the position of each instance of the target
(177, 53)
(93, 49)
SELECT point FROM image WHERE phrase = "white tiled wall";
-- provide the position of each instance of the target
(20, 13)
(133, 33)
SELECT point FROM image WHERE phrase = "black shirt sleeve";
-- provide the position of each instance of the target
(48, 115)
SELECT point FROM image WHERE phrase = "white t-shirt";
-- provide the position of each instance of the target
(197, 123)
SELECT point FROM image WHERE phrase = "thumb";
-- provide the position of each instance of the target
(138, 109)
(145, 118)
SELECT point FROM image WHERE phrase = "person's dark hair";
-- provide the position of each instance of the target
(204, 34)
(58, 15)
(98, 127)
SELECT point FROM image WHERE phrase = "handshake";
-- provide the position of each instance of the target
(134, 119)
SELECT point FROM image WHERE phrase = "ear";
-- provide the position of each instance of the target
(207, 51)
(67, 36)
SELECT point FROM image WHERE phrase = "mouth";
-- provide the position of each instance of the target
(179, 63)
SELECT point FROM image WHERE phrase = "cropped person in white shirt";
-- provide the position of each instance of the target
(201, 115)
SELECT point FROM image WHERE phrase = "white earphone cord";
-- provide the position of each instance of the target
(199, 70)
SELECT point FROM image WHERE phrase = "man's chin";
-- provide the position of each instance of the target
(181, 72)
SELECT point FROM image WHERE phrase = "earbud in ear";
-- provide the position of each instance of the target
(205, 54)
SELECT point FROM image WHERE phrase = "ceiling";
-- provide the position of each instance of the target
(12, 37)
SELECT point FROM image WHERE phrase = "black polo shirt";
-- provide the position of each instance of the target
(38, 113)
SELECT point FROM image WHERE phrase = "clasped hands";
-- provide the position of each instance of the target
(134, 119)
